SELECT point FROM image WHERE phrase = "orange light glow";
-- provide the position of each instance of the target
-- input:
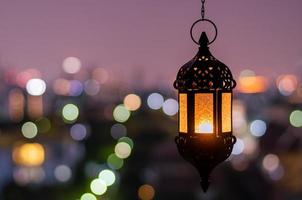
(226, 112)
(204, 115)
(16, 105)
(29, 154)
(183, 113)
(35, 106)
(252, 84)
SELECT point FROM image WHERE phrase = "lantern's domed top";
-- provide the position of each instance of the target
(204, 72)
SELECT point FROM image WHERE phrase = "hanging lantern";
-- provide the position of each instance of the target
(205, 108)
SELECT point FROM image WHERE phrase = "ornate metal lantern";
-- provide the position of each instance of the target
(205, 109)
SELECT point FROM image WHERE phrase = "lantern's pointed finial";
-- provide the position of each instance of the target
(205, 185)
(203, 40)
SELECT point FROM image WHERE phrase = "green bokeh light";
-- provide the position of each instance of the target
(70, 112)
(88, 196)
(121, 114)
(296, 118)
(29, 130)
(115, 162)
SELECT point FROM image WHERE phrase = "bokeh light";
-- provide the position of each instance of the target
(75, 88)
(26, 175)
(155, 101)
(114, 162)
(287, 84)
(35, 87)
(146, 192)
(170, 107)
(122, 150)
(118, 130)
(72, 65)
(252, 84)
(78, 132)
(29, 154)
(107, 176)
(127, 140)
(101, 75)
(88, 196)
(70, 112)
(63, 173)
(91, 87)
(247, 73)
(132, 102)
(270, 162)
(258, 128)
(98, 186)
(29, 130)
(238, 147)
(120, 113)
(295, 118)
(43, 124)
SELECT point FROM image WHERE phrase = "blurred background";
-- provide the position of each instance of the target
(88, 108)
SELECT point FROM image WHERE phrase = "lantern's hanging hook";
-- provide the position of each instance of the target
(203, 19)
(202, 9)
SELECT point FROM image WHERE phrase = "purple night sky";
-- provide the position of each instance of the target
(152, 36)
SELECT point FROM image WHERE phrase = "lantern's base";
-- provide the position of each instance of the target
(205, 152)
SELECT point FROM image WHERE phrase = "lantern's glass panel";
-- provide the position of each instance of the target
(226, 112)
(204, 113)
(183, 127)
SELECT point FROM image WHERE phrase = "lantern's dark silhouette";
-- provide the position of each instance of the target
(204, 74)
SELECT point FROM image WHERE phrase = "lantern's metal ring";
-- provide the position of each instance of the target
(201, 20)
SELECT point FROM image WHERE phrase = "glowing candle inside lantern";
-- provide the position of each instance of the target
(204, 115)
(205, 127)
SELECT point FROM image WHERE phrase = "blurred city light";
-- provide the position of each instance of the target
(252, 84)
(29, 130)
(16, 102)
(26, 175)
(88, 196)
(122, 150)
(170, 107)
(75, 88)
(238, 147)
(29, 154)
(61, 87)
(132, 102)
(258, 128)
(146, 192)
(24, 76)
(118, 130)
(98, 186)
(107, 176)
(71, 65)
(43, 124)
(101, 75)
(127, 140)
(247, 73)
(36, 87)
(91, 87)
(287, 84)
(63, 173)
(70, 112)
(78, 132)
(270, 162)
(120, 113)
(114, 162)
(296, 118)
(155, 101)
